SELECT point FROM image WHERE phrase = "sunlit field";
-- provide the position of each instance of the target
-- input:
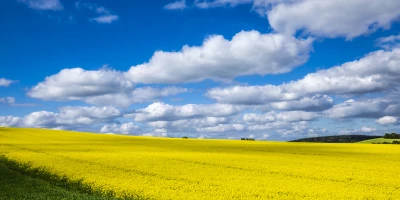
(161, 168)
(378, 140)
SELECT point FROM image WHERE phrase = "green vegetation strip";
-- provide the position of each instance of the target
(379, 141)
(18, 182)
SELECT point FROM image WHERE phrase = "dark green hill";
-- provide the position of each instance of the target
(338, 139)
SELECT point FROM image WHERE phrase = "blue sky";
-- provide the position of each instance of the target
(268, 69)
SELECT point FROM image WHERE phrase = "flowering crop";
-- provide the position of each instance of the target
(161, 168)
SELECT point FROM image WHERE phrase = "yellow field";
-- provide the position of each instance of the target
(157, 168)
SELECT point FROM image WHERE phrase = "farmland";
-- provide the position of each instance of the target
(378, 140)
(166, 168)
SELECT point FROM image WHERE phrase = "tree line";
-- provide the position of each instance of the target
(391, 136)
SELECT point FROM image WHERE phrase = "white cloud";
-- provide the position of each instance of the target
(387, 120)
(378, 71)
(389, 42)
(189, 123)
(370, 108)
(76, 83)
(76, 115)
(164, 112)
(357, 131)
(314, 103)
(53, 5)
(122, 99)
(251, 95)
(365, 129)
(247, 53)
(127, 128)
(294, 116)
(188, 127)
(100, 87)
(285, 129)
(259, 118)
(328, 18)
(146, 94)
(67, 117)
(334, 18)
(291, 116)
(105, 19)
(10, 121)
(223, 128)
(138, 95)
(5, 82)
(177, 5)
(39, 119)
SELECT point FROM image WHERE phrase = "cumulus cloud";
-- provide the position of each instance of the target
(209, 127)
(10, 121)
(251, 95)
(164, 112)
(370, 108)
(223, 128)
(378, 71)
(328, 18)
(365, 129)
(39, 119)
(314, 103)
(75, 83)
(53, 5)
(138, 95)
(177, 5)
(73, 115)
(184, 124)
(5, 82)
(387, 120)
(98, 87)
(146, 94)
(247, 53)
(334, 18)
(67, 117)
(286, 130)
(237, 125)
(126, 128)
(291, 116)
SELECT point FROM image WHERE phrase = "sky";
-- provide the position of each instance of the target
(263, 69)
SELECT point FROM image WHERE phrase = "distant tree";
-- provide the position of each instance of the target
(396, 142)
(338, 139)
(391, 136)
(184, 137)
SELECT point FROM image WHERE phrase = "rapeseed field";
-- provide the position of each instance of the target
(161, 168)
